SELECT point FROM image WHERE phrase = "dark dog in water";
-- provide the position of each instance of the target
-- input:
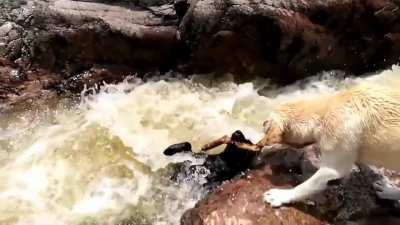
(231, 162)
(239, 155)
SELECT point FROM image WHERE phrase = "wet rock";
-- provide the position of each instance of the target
(239, 200)
(74, 44)
(23, 89)
(283, 40)
(95, 76)
(389, 179)
(26, 88)
(63, 33)
(290, 39)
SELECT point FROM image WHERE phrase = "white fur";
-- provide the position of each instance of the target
(358, 125)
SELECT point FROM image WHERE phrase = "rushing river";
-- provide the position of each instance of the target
(101, 161)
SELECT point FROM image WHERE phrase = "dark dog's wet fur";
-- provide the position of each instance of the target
(231, 162)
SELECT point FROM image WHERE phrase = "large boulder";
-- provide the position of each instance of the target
(58, 46)
(239, 201)
(69, 36)
(291, 38)
(57, 41)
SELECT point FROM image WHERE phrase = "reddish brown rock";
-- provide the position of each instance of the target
(23, 88)
(59, 46)
(352, 199)
(70, 36)
(240, 202)
(284, 40)
(291, 38)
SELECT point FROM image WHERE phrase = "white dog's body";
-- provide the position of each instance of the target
(358, 125)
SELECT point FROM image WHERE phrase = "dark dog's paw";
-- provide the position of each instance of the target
(176, 148)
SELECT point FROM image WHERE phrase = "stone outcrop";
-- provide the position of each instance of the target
(56, 40)
(239, 201)
(58, 46)
(291, 38)
(69, 36)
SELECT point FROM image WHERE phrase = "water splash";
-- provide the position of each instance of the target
(101, 161)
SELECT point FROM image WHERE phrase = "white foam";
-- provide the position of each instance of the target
(103, 161)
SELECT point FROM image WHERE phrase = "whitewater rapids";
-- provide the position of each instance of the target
(101, 161)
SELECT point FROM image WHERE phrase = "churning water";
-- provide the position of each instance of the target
(101, 161)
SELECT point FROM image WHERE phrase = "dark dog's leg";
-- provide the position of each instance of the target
(227, 140)
(220, 141)
(235, 140)
(247, 146)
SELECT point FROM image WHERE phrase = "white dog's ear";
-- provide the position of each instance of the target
(267, 125)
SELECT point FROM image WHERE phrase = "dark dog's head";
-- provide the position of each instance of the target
(273, 133)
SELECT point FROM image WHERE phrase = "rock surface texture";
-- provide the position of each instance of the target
(240, 202)
(49, 47)
(345, 202)
(292, 38)
(47, 43)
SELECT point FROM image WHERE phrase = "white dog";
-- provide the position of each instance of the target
(357, 125)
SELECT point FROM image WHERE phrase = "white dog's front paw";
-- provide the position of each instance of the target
(278, 197)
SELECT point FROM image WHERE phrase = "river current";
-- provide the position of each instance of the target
(101, 162)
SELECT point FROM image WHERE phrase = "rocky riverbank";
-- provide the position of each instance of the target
(347, 201)
(55, 46)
